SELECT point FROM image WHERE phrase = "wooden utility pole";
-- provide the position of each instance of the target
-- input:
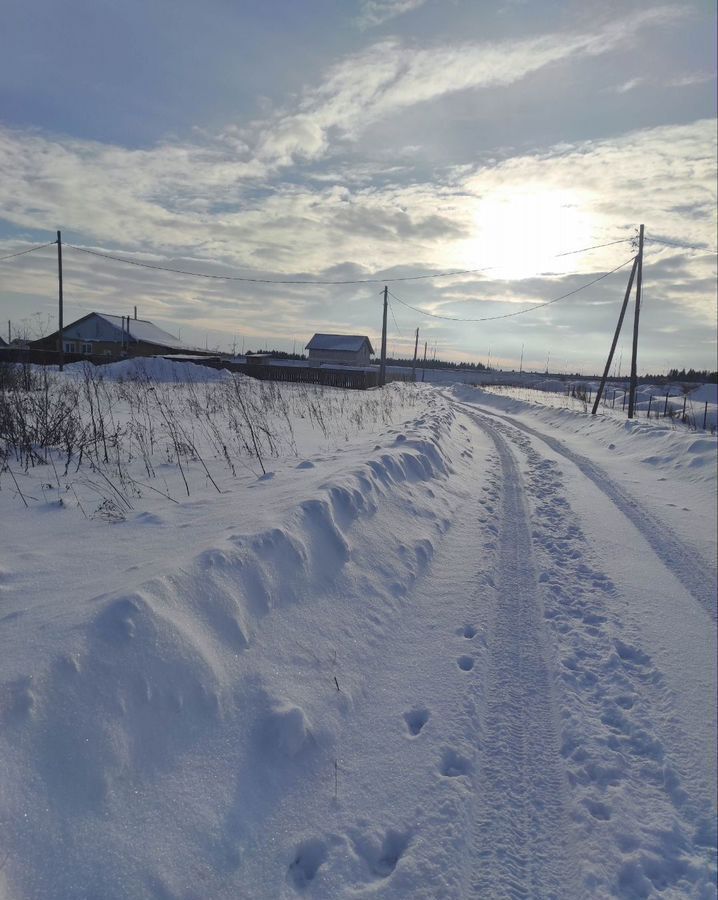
(416, 348)
(521, 364)
(615, 337)
(423, 371)
(634, 356)
(382, 364)
(59, 291)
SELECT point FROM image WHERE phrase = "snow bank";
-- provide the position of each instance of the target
(153, 731)
(655, 442)
(705, 393)
(155, 367)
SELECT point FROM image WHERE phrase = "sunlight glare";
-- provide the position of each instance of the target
(520, 231)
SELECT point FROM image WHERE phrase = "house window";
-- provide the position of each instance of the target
(86, 348)
(69, 346)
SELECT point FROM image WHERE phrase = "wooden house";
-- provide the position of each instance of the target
(100, 334)
(342, 349)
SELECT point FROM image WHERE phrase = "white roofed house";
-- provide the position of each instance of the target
(101, 334)
(341, 349)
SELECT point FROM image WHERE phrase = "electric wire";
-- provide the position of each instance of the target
(396, 324)
(520, 311)
(680, 246)
(30, 250)
(252, 280)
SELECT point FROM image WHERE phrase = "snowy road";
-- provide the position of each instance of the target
(614, 803)
(522, 822)
(685, 564)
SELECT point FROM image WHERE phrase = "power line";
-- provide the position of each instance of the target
(396, 324)
(595, 247)
(246, 278)
(520, 311)
(30, 250)
(681, 246)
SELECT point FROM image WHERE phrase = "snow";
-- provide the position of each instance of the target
(432, 642)
(344, 342)
(142, 330)
(158, 368)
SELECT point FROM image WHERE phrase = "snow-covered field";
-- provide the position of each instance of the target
(276, 641)
(686, 406)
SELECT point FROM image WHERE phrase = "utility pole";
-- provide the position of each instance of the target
(423, 371)
(634, 356)
(382, 364)
(521, 364)
(59, 293)
(416, 347)
(615, 338)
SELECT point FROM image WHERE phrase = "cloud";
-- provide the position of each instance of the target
(376, 12)
(627, 86)
(690, 79)
(390, 76)
(293, 193)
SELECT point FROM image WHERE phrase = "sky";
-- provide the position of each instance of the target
(365, 140)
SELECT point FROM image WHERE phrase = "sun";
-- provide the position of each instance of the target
(520, 231)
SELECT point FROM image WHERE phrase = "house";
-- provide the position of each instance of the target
(100, 334)
(3, 343)
(345, 349)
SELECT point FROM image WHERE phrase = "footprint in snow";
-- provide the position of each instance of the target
(465, 663)
(381, 854)
(309, 857)
(416, 719)
(453, 764)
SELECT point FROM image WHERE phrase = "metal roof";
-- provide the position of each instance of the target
(347, 342)
(141, 330)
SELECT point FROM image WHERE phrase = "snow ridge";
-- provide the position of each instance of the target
(160, 693)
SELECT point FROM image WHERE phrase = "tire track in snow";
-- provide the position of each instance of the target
(522, 832)
(638, 826)
(687, 566)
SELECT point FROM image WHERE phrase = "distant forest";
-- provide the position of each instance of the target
(701, 375)
(434, 364)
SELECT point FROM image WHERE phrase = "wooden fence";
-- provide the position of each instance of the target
(353, 379)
